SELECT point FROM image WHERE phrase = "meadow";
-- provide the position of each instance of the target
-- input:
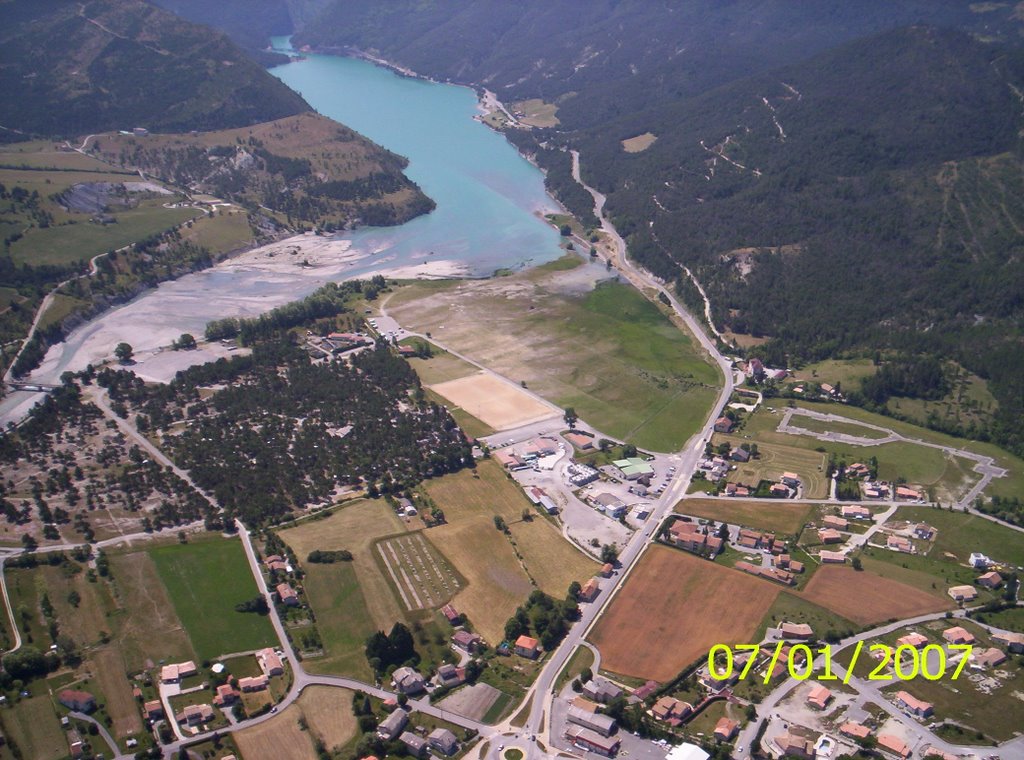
(205, 580)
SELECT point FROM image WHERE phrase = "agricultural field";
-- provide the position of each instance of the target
(495, 587)
(775, 459)
(793, 608)
(493, 401)
(635, 643)
(640, 143)
(779, 517)
(932, 574)
(423, 578)
(351, 599)
(866, 597)
(842, 372)
(616, 358)
(33, 726)
(224, 232)
(146, 627)
(536, 113)
(960, 534)
(205, 580)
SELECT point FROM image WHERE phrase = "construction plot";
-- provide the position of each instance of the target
(494, 401)
(423, 579)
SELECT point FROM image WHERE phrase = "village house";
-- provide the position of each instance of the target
(581, 441)
(795, 745)
(819, 697)
(195, 715)
(739, 455)
(585, 704)
(828, 557)
(899, 544)
(902, 492)
(752, 539)
(855, 730)
(724, 425)
(253, 683)
(979, 561)
(79, 701)
(856, 512)
(527, 646)
(226, 695)
(987, 658)
(830, 536)
(591, 741)
(857, 470)
(606, 570)
(992, 580)
(643, 692)
(466, 641)
(963, 593)
(601, 690)
(175, 672)
(771, 573)
(602, 724)
(153, 709)
(924, 531)
(691, 537)
(392, 725)
(737, 489)
(831, 521)
(787, 563)
(958, 635)
(894, 744)
(670, 709)
(443, 741)
(917, 707)
(450, 675)
(1014, 642)
(509, 460)
(416, 745)
(726, 729)
(451, 614)
(790, 479)
(912, 639)
(288, 596)
(75, 744)
(276, 562)
(779, 490)
(796, 631)
(407, 681)
(270, 663)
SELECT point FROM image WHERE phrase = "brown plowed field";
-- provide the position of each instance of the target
(866, 598)
(673, 608)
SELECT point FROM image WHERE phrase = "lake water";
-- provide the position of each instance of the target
(488, 216)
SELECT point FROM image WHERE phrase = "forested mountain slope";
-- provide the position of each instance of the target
(69, 68)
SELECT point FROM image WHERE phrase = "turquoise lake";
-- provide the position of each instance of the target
(488, 196)
(490, 202)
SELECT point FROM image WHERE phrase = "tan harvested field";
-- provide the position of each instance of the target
(672, 609)
(866, 598)
(277, 739)
(84, 622)
(639, 143)
(494, 401)
(356, 527)
(496, 580)
(780, 517)
(150, 629)
(328, 712)
(537, 113)
(108, 667)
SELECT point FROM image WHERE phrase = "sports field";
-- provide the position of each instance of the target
(867, 598)
(423, 578)
(205, 580)
(779, 517)
(698, 603)
(494, 401)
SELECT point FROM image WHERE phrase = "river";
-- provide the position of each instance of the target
(490, 201)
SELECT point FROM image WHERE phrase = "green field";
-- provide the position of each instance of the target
(33, 726)
(226, 231)
(961, 534)
(68, 243)
(205, 580)
(933, 576)
(1009, 620)
(779, 517)
(845, 428)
